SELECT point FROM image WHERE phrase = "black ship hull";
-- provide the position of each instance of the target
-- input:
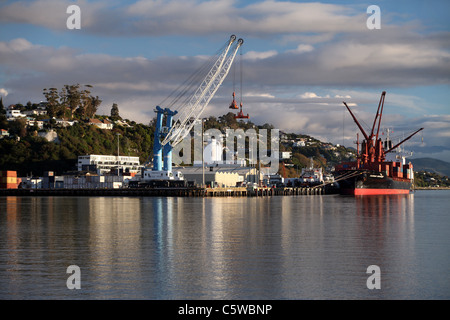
(374, 184)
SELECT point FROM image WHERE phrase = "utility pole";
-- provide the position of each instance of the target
(203, 159)
(118, 155)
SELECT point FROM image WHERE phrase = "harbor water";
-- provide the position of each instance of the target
(280, 247)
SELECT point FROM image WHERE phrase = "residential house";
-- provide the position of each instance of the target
(12, 113)
(105, 124)
(4, 133)
(35, 112)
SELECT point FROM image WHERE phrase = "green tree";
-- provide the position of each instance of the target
(18, 127)
(85, 103)
(115, 112)
(53, 104)
(93, 106)
(2, 107)
(72, 97)
(3, 122)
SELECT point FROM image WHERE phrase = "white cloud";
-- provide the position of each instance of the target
(259, 95)
(308, 95)
(3, 92)
(302, 48)
(15, 46)
(254, 55)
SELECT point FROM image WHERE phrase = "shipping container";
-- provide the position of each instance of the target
(8, 174)
(8, 185)
(8, 180)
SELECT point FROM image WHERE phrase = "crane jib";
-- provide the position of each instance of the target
(190, 113)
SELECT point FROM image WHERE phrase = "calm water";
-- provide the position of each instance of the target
(300, 247)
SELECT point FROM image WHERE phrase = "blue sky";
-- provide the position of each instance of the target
(300, 60)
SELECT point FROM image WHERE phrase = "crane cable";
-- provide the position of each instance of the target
(241, 72)
(187, 86)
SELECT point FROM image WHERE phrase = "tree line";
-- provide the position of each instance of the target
(71, 101)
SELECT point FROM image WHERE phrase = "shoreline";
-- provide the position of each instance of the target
(431, 188)
(183, 192)
(177, 192)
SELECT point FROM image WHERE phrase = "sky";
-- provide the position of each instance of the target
(299, 61)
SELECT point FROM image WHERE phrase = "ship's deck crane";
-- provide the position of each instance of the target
(179, 121)
(372, 150)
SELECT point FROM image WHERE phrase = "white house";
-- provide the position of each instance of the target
(37, 123)
(4, 133)
(105, 124)
(300, 143)
(12, 113)
(35, 112)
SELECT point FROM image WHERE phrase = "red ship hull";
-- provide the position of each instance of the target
(372, 192)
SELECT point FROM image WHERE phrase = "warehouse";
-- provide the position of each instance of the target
(219, 176)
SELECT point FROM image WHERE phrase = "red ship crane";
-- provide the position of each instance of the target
(372, 151)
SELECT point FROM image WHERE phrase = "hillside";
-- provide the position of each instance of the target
(432, 165)
(28, 153)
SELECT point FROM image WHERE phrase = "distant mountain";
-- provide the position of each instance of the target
(432, 165)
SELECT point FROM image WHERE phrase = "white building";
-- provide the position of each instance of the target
(32, 122)
(104, 164)
(65, 123)
(213, 156)
(12, 113)
(299, 143)
(285, 154)
(105, 124)
(4, 133)
(220, 176)
(35, 112)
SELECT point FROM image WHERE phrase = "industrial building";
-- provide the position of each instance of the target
(105, 164)
(220, 176)
(217, 172)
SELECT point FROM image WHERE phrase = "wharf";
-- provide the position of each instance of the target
(168, 192)
(125, 192)
(262, 191)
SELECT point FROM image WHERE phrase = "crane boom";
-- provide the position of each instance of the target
(356, 121)
(188, 114)
(404, 140)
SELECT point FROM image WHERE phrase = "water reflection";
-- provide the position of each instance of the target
(208, 248)
(386, 227)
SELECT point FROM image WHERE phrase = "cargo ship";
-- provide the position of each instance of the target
(373, 173)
